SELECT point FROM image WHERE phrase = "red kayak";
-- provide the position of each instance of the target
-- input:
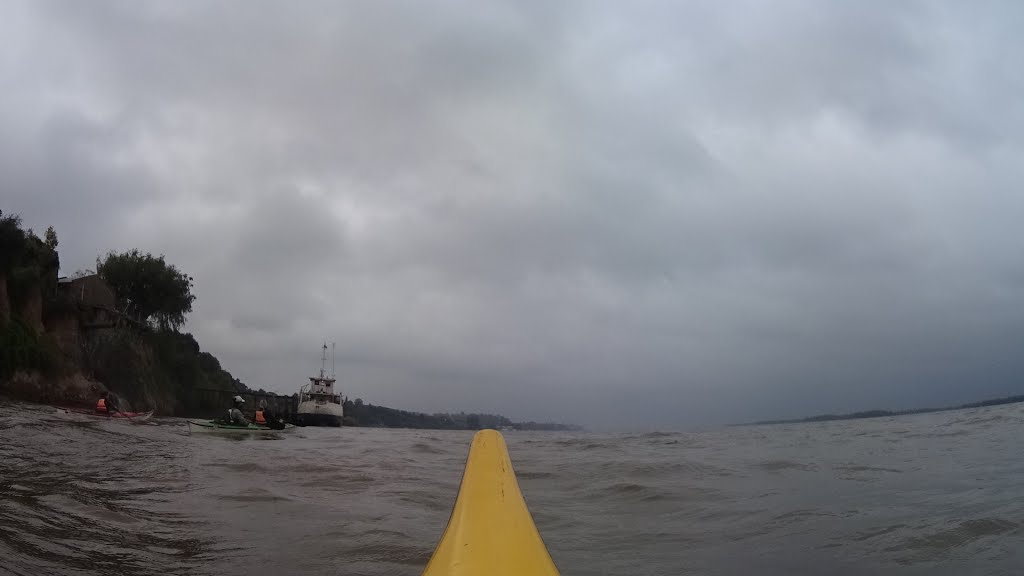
(127, 416)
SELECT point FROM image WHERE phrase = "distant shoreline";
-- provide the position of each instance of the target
(887, 413)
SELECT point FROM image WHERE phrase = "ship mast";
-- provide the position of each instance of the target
(323, 362)
(333, 376)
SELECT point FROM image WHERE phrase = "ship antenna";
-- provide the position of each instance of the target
(323, 361)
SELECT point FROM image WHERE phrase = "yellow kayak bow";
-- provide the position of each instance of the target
(490, 532)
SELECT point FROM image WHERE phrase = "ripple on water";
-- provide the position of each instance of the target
(254, 495)
(581, 444)
(534, 475)
(780, 465)
(862, 468)
(936, 544)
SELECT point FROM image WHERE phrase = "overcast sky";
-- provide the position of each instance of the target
(619, 214)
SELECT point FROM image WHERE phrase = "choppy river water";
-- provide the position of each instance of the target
(935, 494)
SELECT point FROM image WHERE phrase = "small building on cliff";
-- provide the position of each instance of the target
(81, 304)
(90, 290)
(93, 298)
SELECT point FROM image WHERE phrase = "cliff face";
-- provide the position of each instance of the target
(70, 359)
(40, 365)
(65, 340)
(121, 360)
(5, 302)
(31, 309)
(73, 389)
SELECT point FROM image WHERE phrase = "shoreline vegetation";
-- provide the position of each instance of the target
(887, 413)
(367, 415)
(64, 340)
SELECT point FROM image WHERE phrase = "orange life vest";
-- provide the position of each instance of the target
(101, 406)
(260, 419)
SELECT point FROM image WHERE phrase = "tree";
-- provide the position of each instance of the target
(26, 262)
(51, 238)
(147, 288)
(12, 242)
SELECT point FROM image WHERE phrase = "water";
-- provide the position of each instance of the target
(926, 494)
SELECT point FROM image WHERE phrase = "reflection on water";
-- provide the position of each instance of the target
(926, 494)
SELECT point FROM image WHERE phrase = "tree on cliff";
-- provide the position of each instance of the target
(25, 262)
(51, 238)
(148, 289)
(12, 238)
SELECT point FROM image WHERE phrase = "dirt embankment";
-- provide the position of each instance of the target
(71, 390)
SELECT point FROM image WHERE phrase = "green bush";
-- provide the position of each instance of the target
(22, 349)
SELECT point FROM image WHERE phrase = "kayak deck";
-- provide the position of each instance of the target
(212, 427)
(121, 416)
(490, 530)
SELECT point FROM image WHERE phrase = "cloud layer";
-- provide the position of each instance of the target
(654, 215)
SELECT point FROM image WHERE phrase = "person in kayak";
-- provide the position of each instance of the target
(106, 404)
(235, 415)
(264, 417)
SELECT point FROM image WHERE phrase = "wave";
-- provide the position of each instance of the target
(930, 547)
(796, 515)
(243, 467)
(779, 465)
(253, 495)
(952, 434)
(534, 475)
(975, 420)
(875, 533)
(582, 444)
(60, 531)
(423, 448)
(860, 468)
(657, 435)
(635, 491)
(377, 552)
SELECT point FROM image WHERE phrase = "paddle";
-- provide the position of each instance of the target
(122, 413)
(138, 416)
(112, 411)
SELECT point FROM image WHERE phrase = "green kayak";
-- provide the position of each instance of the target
(215, 427)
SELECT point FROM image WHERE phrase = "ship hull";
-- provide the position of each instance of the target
(311, 413)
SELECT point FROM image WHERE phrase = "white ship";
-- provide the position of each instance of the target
(318, 403)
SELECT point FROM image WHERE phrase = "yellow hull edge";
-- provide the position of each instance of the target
(491, 531)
